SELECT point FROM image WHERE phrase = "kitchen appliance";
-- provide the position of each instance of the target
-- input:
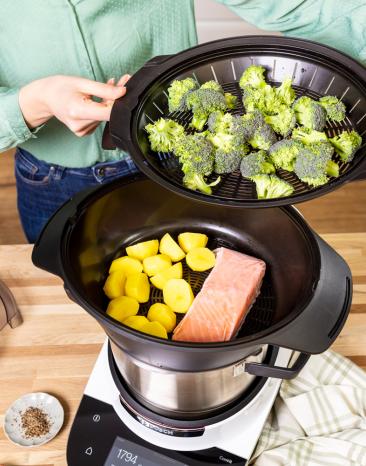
(304, 301)
(157, 395)
(111, 428)
(303, 275)
(316, 70)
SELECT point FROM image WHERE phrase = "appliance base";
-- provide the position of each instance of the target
(106, 433)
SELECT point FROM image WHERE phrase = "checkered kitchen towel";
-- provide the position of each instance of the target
(319, 418)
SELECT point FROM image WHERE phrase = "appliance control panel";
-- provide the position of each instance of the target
(99, 438)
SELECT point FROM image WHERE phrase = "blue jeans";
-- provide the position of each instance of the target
(42, 188)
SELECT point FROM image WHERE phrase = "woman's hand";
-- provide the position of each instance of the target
(70, 99)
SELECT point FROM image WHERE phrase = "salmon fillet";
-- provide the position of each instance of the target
(224, 300)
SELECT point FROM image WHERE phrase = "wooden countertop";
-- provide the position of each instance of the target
(55, 348)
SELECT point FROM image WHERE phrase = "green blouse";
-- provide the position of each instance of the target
(99, 39)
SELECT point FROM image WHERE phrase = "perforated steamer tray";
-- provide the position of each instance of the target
(316, 70)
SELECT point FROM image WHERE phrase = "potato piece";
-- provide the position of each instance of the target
(175, 271)
(142, 250)
(122, 307)
(126, 264)
(138, 287)
(200, 259)
(136, 322)
(115, 284)
(162, 313)
(171, 248)
(178, 295)
(155, 329)
(156, 264)
(188, 241)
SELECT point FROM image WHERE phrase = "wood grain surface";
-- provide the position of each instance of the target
(55, 348)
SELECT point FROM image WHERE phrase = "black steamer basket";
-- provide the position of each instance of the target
(305, 297)
(316, 70)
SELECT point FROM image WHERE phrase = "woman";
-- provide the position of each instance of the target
(58, 56)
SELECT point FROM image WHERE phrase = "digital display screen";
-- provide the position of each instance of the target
(126, 453)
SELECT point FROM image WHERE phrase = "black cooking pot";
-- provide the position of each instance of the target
(305, 297)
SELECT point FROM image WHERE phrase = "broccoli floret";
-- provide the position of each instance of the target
(202, 102)
(316, 182)
(198, 121)
(270, 186)
(314, 168)
(178, 91)
(251, 122)
(256, 131)
(285, 92)
(196, 182)
(253, 99)
(264, 99)
(227, 132)
(272, 102)
(227, 162)
(215, 86)
(196, 154)
(309, 113)
(346, 144)
(256, 163)
(283, 153)
(205, 101)
(237, 129)
(163, 134)
(214, 120)
(308, 136)
(197, 157)
(222, 140)
(231, 100)
(263, 137)
(332, 169)
(283, 122)
(326, 150)
(219, 121)
(253, 76)
(335, 109)
(259, 95)
(228, 142)
(322, 148)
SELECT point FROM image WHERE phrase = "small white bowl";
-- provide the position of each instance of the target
(47, 403)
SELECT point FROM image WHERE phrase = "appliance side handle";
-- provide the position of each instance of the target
(316, 328)
(276, 372)
(46, 252)
(121, 113)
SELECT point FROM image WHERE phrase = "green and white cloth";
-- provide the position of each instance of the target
(319, 418)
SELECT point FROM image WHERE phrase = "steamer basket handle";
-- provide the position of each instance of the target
(265, 370)
(121, 114)
(47, 250)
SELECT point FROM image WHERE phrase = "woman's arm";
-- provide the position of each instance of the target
(339, 24)
(13, 128)
(68, 98)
